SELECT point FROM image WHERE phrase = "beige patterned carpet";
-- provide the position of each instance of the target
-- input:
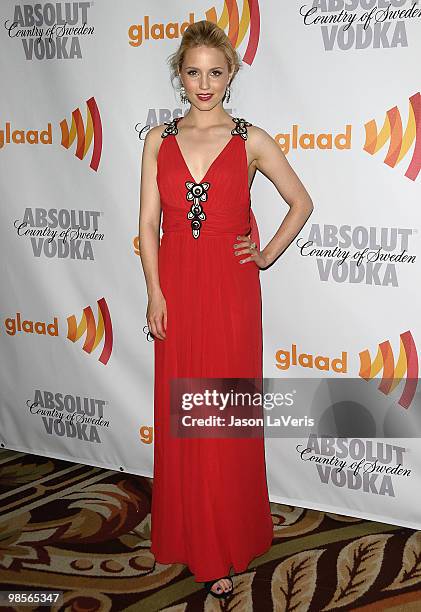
(85, 530)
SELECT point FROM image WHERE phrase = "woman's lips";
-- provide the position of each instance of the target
(204, 96)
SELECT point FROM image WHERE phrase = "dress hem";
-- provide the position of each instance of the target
(237, 570)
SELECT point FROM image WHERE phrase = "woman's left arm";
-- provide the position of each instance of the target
(271, 161)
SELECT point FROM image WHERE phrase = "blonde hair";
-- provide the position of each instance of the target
(209, 34)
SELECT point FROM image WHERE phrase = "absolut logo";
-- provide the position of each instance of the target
(68, 415)
(360, 254)
(60, 233)
(361, 24)
(50, 30)
(355, 463)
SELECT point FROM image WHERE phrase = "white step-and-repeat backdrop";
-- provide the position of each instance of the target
(337, 85)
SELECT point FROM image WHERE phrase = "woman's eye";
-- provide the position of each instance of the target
(214, 72)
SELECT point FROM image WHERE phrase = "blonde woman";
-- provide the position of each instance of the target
(210, 505)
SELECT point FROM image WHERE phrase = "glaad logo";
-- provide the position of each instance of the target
(60, 233)
(400, 141)
(69, 415)
(358, 254)
(95, 332)
(407, 364)
(238, 27)
(84, 135)
(286, 359)
(310, 141)
(27, 326)
(139, 32)
(51, 30)
(360, 24)
(93, 130)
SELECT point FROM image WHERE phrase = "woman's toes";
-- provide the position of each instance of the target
(217, 587)
(222, 585)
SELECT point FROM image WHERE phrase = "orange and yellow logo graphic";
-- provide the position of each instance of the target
(94, 331)
(85, 135)
(400, 141)
(407, 364)
(238, 27)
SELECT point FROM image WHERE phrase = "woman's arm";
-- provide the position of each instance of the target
(271, 161)
(149, 225)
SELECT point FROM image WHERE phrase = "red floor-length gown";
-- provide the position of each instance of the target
(210, 505)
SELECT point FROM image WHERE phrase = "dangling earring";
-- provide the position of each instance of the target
(227, 94)
(184, 99)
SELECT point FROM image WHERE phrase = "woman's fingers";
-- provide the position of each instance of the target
(246, 247)
(155, 325)
(159, 329)
(156, 317)
(243, 251)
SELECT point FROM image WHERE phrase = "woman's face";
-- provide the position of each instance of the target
(205, 71)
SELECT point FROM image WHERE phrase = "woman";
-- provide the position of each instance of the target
(210, 506)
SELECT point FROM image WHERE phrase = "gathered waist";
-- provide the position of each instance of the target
(204, 233)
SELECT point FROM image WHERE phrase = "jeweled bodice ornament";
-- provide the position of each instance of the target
(197, 193)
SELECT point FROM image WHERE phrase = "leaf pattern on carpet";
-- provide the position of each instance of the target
(86, 531)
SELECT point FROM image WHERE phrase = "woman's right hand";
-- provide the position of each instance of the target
(156, 315)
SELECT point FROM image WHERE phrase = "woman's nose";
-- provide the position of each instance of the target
(204, 83)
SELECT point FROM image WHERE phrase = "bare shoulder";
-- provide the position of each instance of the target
(260, 143)
(153, 140)
(258, 136)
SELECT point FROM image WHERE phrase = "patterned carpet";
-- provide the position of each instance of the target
(85, 530)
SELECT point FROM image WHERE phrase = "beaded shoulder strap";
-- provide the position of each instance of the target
(171, 127)
(241, 127)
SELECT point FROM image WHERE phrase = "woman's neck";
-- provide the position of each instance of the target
(205, 119)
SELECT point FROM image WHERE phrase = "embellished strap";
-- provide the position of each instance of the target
(171, 127)
(240, 128)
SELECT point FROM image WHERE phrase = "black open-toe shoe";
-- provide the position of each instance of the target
(208, 586)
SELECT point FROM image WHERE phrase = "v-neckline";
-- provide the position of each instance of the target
(211, 165)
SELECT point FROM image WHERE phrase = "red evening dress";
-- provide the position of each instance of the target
(210, 505)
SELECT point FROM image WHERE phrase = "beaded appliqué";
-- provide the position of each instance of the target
(198, 193)
(241, 127)
(171, 128)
